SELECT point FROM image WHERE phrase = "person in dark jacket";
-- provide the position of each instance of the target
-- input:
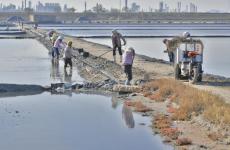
(116, 41)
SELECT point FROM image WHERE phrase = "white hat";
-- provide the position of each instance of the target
(186, 34)
(129, 49)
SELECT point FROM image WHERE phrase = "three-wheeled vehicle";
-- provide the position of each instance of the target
(188, 60)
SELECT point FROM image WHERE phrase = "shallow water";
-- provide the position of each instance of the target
(143, 30)
(216, 51)
(28, 62)
(78, 121)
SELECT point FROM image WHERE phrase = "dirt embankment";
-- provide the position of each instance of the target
(195, 132)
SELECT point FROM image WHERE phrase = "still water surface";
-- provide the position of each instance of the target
(28, 62)
(80, 122)
(142, 30)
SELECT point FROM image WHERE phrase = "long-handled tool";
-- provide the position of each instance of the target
(108, 52)
(105, 53)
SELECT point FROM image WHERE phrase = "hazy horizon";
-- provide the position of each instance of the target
(203, 5)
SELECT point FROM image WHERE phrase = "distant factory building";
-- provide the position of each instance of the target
(48, 7)
(30, 4)
(178, 6)
(161, 6)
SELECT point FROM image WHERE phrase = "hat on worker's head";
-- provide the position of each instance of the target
(69, 43)
(60, 38)
(165, 41)
(114, 31)
(129, 49)
(186, 34)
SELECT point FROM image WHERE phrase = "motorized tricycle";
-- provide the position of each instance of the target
(188, 60)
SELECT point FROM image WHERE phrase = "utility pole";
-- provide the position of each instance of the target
(85, 6)
(22, 5)
(119, 12)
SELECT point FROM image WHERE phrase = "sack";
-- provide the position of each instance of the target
(85, 54)
(80, 50)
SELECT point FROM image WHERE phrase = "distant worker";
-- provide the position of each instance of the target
(53, 38)
(68, 55)
(36, 26)
(169, 51)
(116, 41)
(171, 45)
(186, 35)
(128, 58)
(58, 45)
(7, 28)
(50, 34)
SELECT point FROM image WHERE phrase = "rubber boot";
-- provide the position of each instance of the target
(114, 58)
(121, 58)
(127, 82)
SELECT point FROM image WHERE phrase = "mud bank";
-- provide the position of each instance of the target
(13, 90)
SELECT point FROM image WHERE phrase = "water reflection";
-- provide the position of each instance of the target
(72, 123)
(68, 75)
(127, 116)
(114, 101)
(60, 75)
(55, 73)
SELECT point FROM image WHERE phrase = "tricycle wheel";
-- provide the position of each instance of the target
(177, 72)
(194, 76)
(199, 79)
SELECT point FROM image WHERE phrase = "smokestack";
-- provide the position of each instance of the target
(126, 5)
(25, 3)
(22, 5)
(85, 6)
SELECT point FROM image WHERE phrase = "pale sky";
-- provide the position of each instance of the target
(203, 5)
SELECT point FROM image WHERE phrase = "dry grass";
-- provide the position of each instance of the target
(138, 106)
(191, 101)
(183, 141)
(163, 124)
(215, 136)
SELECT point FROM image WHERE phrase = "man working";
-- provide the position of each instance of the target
(116, 40)
(172, 44)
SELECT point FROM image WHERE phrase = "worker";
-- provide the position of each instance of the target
(58, 45)
(168, 50)
(172, 44)
(35, 26)
(116, 41)
(128, 58)
(68, 55)
(50, 34)
(186, 34)
(53, 38)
